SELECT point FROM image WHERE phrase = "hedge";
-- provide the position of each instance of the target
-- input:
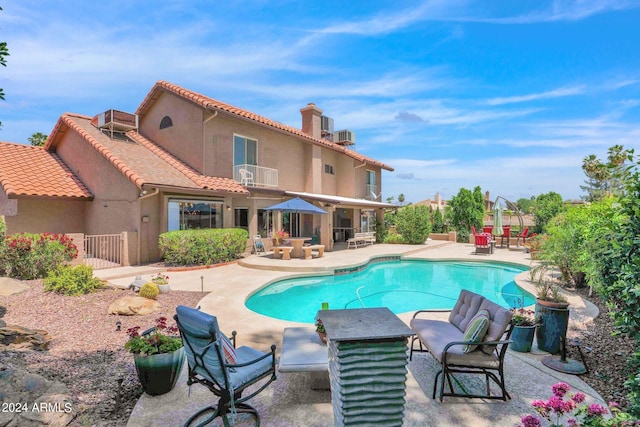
(203, 247)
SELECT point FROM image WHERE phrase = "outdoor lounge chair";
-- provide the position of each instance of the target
(258, 245)
(215, 363)
(484, 243)
(246, 177)
(445, 340)
(522, 236)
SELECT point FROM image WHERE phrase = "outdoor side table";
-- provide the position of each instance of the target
(367, 365)
(302, 351)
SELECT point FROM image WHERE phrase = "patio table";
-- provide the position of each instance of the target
(297, 243)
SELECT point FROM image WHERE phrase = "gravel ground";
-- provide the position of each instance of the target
(87, 352)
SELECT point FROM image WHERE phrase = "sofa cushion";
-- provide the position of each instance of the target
(500, 319)
(466, 307)
(436, 334)
(476, 330)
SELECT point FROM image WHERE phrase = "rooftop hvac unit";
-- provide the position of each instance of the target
(115, 121)
(327, 124)
(344, 137)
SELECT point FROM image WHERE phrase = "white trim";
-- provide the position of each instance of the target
(340, 200)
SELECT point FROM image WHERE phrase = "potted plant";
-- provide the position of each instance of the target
(278, 237)
(552, 311)
(322, 333)
(162, 280)
(524, 326)
(158, 356)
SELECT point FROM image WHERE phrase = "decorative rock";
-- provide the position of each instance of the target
(131, 306)
(48, 403)
(10, 286)
(17, 337)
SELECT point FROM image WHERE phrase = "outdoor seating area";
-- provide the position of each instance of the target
(362, 239)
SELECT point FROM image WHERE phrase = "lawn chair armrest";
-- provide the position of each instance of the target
(435, 310)
(451, 344)
(271, 354)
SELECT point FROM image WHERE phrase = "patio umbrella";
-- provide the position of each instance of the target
(497, 219)
(296, 205)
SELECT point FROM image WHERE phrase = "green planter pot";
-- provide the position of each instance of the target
(554, 320)
(522, 337)
(158, 373)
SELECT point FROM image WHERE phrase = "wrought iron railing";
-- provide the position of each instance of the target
(255, 176)
(103, 251)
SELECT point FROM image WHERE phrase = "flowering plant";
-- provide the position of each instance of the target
(523, 317)
(160, 279)
(160, 339)
(280, 234)
(574, 411)
(320, 327)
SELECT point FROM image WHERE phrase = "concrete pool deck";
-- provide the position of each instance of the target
(289, 401)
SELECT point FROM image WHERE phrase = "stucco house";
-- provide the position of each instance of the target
(184, 160)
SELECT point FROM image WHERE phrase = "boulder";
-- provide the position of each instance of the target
(41, 402)
(131, 306)
(18, 337)
(10, 286)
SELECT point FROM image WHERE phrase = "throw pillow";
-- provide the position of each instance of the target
(476, 330)
(229, 351)
(259, 245)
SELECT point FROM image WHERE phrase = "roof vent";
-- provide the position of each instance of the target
(117, 121)
(344, 137)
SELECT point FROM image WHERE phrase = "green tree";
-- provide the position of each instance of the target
(605, 179)
(526, 205)
(437, 221)
(4, 52)
(401, 198)
(464, 212)
(38, 139)
(390, 199)
(413, 223)
(546, 207)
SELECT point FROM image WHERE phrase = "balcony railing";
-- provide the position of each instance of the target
(371, 192)
(255, 176)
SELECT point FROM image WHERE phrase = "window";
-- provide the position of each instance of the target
(241, 218)
(329, 169)
(166, 122)
(264, 223)
(245, 151)
(194, 214)
(371, 177)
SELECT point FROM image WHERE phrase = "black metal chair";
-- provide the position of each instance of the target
(204, 347)
(444, 340)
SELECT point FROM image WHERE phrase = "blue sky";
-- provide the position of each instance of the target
(508, 95)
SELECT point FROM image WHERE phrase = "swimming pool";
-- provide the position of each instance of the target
(400, 285)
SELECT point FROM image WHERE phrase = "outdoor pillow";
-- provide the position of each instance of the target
(259, 245)
(230, 356)
(476, 330)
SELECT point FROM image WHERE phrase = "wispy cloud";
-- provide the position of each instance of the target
(555, 93)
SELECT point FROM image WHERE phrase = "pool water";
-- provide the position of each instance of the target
(402, 286)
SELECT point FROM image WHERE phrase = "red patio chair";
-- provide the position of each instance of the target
(522, 235)
(483, 244)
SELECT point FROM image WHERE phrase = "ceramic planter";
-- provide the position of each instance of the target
(553, 322)
(522, 337)
(164, 289)
(158, 373)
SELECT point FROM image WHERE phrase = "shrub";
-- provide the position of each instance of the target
(149, 290)
(73, 281)
(3, 227)
(33, 256)
(203, 247)
(394, 238)
(382, 230)
(414, 224)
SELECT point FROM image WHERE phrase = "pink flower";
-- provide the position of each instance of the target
(596, 409)
(560, 389)
(557, 405)
(573, 423)
(578, 397)
(530, 421)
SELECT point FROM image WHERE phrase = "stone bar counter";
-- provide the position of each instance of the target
(367, 366)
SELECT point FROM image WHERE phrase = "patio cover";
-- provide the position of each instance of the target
(343, 201)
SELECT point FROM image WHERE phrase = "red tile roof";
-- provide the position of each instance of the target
(139, 159)
(212, 104)
(29, 171)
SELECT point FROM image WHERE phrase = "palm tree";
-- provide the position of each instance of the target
(38, 139)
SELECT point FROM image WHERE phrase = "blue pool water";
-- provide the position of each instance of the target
(401, 286)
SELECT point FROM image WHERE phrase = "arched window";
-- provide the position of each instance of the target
(166, 122)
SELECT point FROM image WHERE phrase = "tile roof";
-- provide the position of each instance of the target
(139, 159)
(30, 171)
(212, 104)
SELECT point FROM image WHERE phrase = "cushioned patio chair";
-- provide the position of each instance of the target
(258, 245)
(484, 244)
(522, 236)
(473, 340)
(226, 371)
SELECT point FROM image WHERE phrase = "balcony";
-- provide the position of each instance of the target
(371, 192)
(255, 176)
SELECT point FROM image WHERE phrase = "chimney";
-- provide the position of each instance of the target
(438, 200)
(311, 120)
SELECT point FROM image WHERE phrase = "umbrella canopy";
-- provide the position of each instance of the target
(497, 220)
(296, 205)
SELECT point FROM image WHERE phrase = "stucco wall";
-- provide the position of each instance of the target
(45, 215)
